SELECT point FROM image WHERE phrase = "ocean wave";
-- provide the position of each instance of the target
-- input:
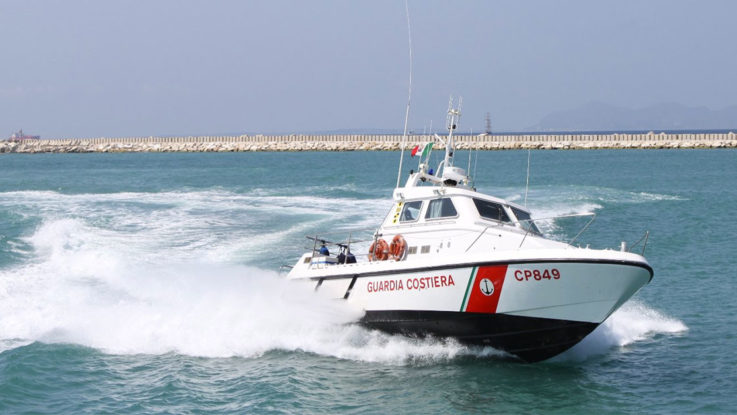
(216, 224)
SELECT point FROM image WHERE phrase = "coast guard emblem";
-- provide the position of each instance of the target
(486, 287)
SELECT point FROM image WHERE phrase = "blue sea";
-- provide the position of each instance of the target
(149, 283)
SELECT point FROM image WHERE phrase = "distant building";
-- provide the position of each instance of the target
(19, 136)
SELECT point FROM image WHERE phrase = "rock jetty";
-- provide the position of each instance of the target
(367, 143)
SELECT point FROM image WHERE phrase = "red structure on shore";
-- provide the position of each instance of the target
(19, 136)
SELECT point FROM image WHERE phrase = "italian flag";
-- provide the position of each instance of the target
(425, 149)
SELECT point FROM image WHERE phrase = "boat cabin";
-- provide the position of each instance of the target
(432, 206)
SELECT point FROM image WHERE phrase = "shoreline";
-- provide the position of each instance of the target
(364, 142)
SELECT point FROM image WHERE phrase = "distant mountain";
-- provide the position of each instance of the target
(597, 116)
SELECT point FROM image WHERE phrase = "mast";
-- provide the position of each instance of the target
(451, 175)
(452, 120)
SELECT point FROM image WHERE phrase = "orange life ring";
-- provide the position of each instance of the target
(398, 247)
(379, 250)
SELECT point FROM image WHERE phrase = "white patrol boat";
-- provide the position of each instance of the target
(449, 261)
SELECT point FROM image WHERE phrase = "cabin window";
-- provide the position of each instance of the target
(491, 210)
(440, 208)
(524, 220)
(411, 211)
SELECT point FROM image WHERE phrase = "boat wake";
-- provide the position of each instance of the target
(82, 289)
(133, 273)
(86, 287)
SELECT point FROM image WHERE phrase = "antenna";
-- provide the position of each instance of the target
(470, 150)
(527, 185)
(409, 93)
(488, 124)
(475, 165)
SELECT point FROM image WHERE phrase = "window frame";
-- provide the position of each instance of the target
(419, 211)
(501, 206)
(427, 211)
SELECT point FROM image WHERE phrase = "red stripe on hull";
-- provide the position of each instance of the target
(486, 289)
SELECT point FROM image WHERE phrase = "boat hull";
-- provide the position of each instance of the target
(534, 309)
(531, 339)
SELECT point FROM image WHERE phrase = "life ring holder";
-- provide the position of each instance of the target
(379, 251)
(398, 248)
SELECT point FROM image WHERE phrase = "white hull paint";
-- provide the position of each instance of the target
(579, 291)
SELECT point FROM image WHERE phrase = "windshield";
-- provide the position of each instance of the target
(524, 220)
(491, 210)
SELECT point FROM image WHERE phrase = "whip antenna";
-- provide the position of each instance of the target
(527, 185)
(470, 151)
(409, 94)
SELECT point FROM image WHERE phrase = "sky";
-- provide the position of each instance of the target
(117, 68)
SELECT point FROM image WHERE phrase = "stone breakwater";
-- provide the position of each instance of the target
(367, 143)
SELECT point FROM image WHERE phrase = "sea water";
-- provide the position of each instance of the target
(149, 283)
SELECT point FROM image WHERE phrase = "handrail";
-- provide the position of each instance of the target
(328, 238)
(593, 217)
(437, 221)
(342, 244)
(644, 245)
(477, 238)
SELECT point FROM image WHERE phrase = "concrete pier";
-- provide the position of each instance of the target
(362, 142)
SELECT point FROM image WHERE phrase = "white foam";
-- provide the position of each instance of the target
(98, 288)
(194, 309)
(632, 323)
